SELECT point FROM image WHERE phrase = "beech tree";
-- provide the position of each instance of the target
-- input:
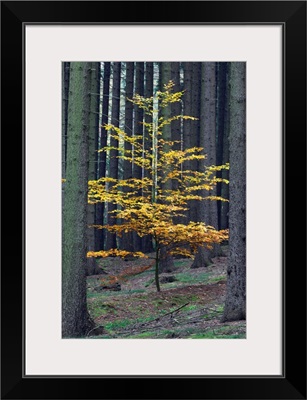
(153, 213)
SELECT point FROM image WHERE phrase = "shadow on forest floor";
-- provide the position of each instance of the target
(189, 305)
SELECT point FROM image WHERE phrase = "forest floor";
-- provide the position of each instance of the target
(189, 305)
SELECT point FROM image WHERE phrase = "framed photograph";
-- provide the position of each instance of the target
(61, 58)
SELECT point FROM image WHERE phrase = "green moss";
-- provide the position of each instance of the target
(216, 279)
(211, 335)
(192, 307)
(124, 323)
(181, 263)
(186, 277)
(224, 332)
(144, 335)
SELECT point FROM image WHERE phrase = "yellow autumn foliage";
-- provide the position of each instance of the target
(150, 205)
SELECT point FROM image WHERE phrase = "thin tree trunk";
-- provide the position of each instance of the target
(187, 108)
(113, 163)
(148, 92)
(138, 130)
(220, 126)
(187, 125)
(100, 207)
(207, 210)
(65, 92)
(176, 109)
(235, 304)
(225, 173)
(92, 174)
(176, 127)
(195, 130)
(75, 318)
(166, 262)
(127, 241)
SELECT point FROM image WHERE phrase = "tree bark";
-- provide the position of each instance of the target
(127, 238)
(113, 154)
(235, 304)
(220, 123)
(75, 318)
(176, 110)
(224, 224)
(187, 108)
(166, 262)
(138, 130)
(195, 130)
(176, 127)
(207, 210)
(65, 93)
(100, 207)
(148, 92)
(92, 174)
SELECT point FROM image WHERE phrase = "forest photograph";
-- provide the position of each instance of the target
(154, 200)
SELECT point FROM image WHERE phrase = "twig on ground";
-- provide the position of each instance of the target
(171, 312)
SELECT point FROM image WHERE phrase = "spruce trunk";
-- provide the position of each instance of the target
(235, 305)
(166, 262)
(113, 162)
(75, 319)
(102, 162)
(92, 173)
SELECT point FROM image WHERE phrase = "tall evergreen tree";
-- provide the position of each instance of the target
(222, 147)
(166, 260)
(138, 131)
(113, 154)
(75, 318)
(102, 163)
(65, 92)
(224, 211)
(148, 92)
(127, 241)
(187, 107)
(207, 210)
(176, 107)
(188, 125)
(195, 128)
(93, 147)
(176, 126)
(235, 304)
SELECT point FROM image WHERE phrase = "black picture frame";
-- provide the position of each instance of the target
(292, 384)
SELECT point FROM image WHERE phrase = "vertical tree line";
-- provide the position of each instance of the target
(205, 97)
(235, 306)
(97, 93)
(75, 320)
(93, 136)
